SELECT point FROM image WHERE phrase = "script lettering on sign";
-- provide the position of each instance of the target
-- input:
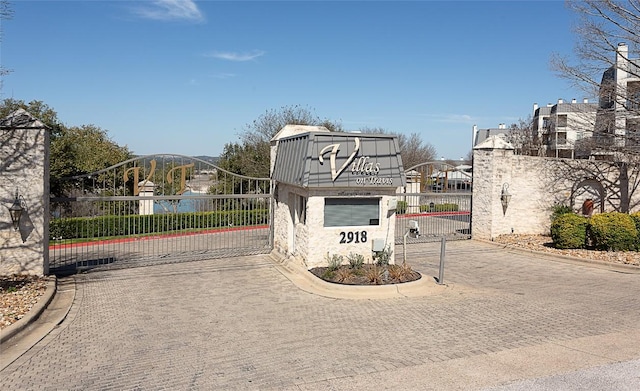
(364, 168)
(136, 176)
(152, 169)
(183, 176)
(334, 148)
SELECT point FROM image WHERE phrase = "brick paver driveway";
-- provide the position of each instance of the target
(239, 324)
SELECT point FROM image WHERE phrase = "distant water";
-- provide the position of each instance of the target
(184, 206)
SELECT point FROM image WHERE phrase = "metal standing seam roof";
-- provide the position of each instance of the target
(298, 160)
(574, 108)
(483, 134)
(291, 162)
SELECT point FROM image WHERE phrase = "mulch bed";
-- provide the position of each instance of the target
(544, 244)
(367, 274)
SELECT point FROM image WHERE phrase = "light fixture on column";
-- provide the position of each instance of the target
(505, 197)
(16, 210)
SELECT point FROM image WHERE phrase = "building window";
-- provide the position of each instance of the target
(562, 120)
(633, 96)
(632, 132)
(348, 212)
(301, 209)
(561, 138)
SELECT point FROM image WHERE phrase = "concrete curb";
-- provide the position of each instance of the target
(39, 322)
(618, 267)
(31, 316)
(304, 280)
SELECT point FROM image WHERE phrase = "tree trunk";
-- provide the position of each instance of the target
(623, 180)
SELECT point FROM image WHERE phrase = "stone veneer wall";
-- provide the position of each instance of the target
(536, 185)
(312, 240)
(284, 216)
(24, 165)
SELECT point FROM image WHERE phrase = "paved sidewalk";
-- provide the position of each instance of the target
(505, 316)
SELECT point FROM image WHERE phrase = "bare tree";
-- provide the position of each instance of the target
(521, 136)
(607, 31)
(251, 156)
(412, 148)
(618, 182)
(469, 157)
(602, 25)
(263, 128)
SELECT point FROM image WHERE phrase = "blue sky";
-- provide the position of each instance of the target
(185, 77)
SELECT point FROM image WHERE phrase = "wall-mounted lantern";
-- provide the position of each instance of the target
(505, 197)
(15, 210)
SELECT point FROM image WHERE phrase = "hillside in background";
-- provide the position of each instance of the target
(209, 159)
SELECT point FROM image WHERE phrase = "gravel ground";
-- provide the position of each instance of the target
(18, 294)
(544, 244)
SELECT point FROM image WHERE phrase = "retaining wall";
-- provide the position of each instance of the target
(537, 184)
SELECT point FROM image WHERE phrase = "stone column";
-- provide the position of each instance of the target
(24, 167)
(413, 187)
(145, 207)
(491, 171)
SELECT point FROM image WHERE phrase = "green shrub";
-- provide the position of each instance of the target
(559, 210)
(439, 207)
(355, 260)
(569, 230)
(382, 258)
(108, 226)
(333, 262)
(613, 231)
(636, 220)
(431, 207)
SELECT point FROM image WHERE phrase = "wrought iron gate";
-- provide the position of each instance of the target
(438, 198)
(158, 209)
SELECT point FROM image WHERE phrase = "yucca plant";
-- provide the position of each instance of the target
(375, 274)
(400, 273)
(395, 272)
(343, 275)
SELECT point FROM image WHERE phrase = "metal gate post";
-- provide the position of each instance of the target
(442, 256)
(272, 203)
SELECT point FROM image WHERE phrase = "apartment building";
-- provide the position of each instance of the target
(618, 119)
(559, 129)
(480, 135)
(582, 129)
(556, 130)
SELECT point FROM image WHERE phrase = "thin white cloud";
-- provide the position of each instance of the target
(223, 75)
(458, 118)
(453, 118)
(170, 10)
(510, 120)
(236, 56)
